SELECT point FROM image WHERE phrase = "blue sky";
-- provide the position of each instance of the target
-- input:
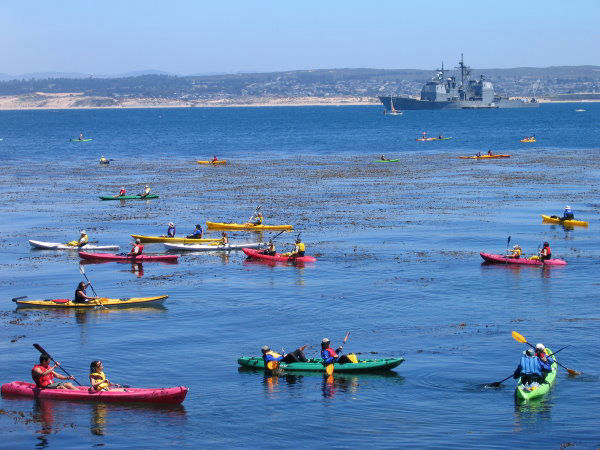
(186, 36)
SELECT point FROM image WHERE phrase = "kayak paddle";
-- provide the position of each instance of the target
(520, 338)
(98, 301)
(19, 298)
(41, 350)
(329, 367)
(499, 383)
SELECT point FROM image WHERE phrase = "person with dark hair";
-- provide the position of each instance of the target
(531, 369)
(546, 252)
(98, 380)
(43, 375)
(296, 356)
(331, 356)
(80, 295)
(146, 192)
(197, 234)
(224, 238)
(299, 249)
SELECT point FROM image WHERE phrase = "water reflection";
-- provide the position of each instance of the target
(532, 412)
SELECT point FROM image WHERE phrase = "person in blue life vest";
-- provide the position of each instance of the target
(197, 234)
(331, 356)
(568, 214)
(531, 369)
(171, 230)
(295, 356)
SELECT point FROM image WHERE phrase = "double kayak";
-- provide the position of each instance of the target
(181, 240)
(138, 258)
(220, 161)
(386, 160)
(112, 302)
(571, 222)
(522, 393)
(172, 396)
(316, 365)
(58, 246)
(484, 157)
(80, 140)
(245, 226)
(128, 197)
(216, 247)
(500, 259)
(255, 254)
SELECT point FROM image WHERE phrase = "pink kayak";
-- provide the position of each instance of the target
(251, 253)
(173, 395)
(115, 257)
(499, 259)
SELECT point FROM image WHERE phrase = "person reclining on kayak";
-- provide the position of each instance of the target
(171, 230)
(83, 239)
(540, 352)
(515, 252)
(546, 252)
(80, 295)
(98, 379)
(331, 356)
(296, 356)
(136, 248)
(43, 375)
(146, 192)
(568, 214)
(531, 369)
(197, 234)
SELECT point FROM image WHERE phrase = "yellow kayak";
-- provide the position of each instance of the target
(572, 222)
(245, 226)
(220, 161)
(179, 240)
(111, 302)
(528, 140)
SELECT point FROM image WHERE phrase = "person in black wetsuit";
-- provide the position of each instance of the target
(80, 296)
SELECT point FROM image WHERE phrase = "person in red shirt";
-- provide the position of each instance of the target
(136, 248)
(43, 375)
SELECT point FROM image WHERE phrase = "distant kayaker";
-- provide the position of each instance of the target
(121, 193)
(43, 375)
(80, 295)
(568, 213)
(296, 356)
(256, 219)
(103, 160)
(146, 192)
(197, 234)
(215, 159)
(331, 356)
(98, 380)
(81, 136)
(490, 153)
(383, 158)
(83, 239)
(299, 249)
(136, 248)
(171, 230)
(546, 252)
(224, 238)
(515, 252)
(478, 154)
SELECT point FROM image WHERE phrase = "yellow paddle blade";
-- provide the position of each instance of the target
(272, 365)
(519, 337)
(329, 369)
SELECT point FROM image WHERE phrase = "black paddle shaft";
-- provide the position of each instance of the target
(41, 350)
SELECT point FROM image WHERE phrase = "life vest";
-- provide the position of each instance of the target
(273, 354)
(41, 381)
(171, 232)
(530, 365)
(331, 352)
(517, 252)
(300, 247)
(137, 250)
(84, 240)
(100, 376)
(547, 251)
(122, 192)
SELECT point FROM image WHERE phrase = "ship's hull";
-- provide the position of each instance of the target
(403, 103)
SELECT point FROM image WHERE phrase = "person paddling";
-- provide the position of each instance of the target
(256, 219)
(171, 230)
(568, 214)
(296, 356)
(515, 253)
(270, 250)
(83, 239)
(299, 249)
(197, 234)
(121, 193)
(215, 159)
(224, 238)
(136, 248)
(383, 158)
(103, 160)
(331, 356)
(43, 375)
(81, 136)
(98, 379)
(546, 252)
(531, 370)
(146, 192)
(80, 295)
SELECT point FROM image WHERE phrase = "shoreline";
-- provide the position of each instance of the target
(43, 101)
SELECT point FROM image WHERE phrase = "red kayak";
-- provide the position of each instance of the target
(115, 257)
(251, 253)
(172, 396)
(499, 259)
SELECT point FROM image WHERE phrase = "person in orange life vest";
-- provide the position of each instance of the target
(546, 252)
(214, 159)
(331, 356)
(43, 375)
(296, 356)
(136, 248)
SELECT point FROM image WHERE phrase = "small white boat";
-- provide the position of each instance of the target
(580, 110)
(58, 246)
(213, 248)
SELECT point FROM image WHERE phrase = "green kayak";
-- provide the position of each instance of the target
(127, 197)
(522, 394)
(386, 160)
(80, 140)
(316, 365)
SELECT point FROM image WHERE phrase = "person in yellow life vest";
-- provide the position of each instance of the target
(515, 253)
(98, 380)
(270, 250)
(83, 239)
(274, 357)
(299, 249)
(103, 160)
(146, 192)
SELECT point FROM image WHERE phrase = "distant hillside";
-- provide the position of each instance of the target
(522, 81)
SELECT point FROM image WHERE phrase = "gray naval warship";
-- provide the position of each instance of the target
(449, 93)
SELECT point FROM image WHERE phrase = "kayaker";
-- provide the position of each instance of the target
(121, 193)
(478, 154)
(383, 158)
(215, 159)
(103, 160)
(97, 378)
(43, 375)
(81, 136)
(136, 248)
(197, 234)
(171, 230)
(80, 295)
(529, 369)
(546, 252)
(540, 352)
(296, 356)
(270, 250)
(299, 249)
(146, 192)
(515, 253)
(224, 238)
(568, 214)
(257, 219)
(331, 356)
(490, 153)
(83, 239)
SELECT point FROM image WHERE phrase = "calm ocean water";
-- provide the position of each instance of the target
(399, 267)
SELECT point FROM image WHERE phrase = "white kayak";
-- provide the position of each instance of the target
(213, 248)
(59, 246)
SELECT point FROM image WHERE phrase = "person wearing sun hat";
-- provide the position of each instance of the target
(568, 214)
(171, 230)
